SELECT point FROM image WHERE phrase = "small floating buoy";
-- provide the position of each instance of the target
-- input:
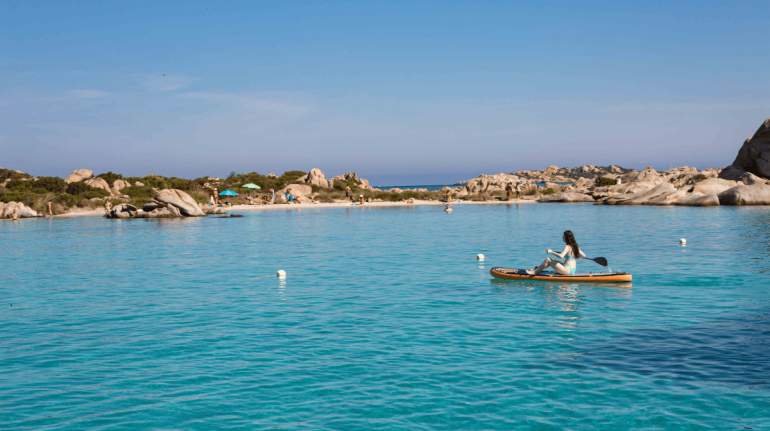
(682, 241)
(479, 256)
(281, 273)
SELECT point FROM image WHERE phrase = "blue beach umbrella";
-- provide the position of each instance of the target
(228, 193)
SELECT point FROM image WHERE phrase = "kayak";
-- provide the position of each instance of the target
(583, 277)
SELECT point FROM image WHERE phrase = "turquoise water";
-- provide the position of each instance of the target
(385, 321)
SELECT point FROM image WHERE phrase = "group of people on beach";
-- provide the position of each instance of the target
(509, 190)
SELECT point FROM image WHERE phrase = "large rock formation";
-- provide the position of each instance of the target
(120, 185)
(122, 211)
(698, 199)
(656, 192)
(753, 157)
(757, 194)
(302, 190)
(99, 183)
(316, 177)
(79, 175)
(6, 210)
(713, 186)
(181, 201)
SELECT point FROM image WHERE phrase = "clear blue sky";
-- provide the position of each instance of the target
(400, 92)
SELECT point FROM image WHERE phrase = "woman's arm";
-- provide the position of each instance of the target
(559, 255)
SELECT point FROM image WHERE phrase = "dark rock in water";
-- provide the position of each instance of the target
(754, 155)
(231, 216)
(567, 198)
(122, 211)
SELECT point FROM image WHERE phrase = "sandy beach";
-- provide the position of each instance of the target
(100, 212)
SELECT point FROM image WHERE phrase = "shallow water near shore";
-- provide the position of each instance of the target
(386, 321)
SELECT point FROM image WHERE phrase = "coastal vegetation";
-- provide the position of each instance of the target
(742, 183)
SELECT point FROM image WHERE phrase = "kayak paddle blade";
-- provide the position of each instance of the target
(601, 261)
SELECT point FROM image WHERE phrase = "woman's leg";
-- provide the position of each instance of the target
(557, 266)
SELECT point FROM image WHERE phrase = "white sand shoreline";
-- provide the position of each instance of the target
(100, 212)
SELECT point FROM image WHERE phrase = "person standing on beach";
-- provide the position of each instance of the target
(508, 190)
(15, 215)
(448, 196)
(518, 191)
(107, 207)
(348, 194)
(50, 211)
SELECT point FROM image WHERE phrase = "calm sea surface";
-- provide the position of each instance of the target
(385, 321)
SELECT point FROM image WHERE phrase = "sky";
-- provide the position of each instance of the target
(400, 92)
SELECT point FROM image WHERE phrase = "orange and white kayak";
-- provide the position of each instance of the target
(579, 277)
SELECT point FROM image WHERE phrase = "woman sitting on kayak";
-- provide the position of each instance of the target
(571, 252)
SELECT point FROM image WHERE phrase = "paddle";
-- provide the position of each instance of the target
(600, 260)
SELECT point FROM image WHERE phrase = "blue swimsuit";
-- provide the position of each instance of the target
(572, 268)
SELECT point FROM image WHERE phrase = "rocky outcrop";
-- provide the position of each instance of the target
(316, 177)
(756, 194)
(6, 210)
(671, 198)
(364, 184)
(99, 183)
(122, 211)
(642, 198)
(361, 183)
(213, 209)
(120, 185)
(698, 199)
(754, 155)
(180, 201)
(566, 198)
(301, 190)
(713, 186)
(347, 177)
(79, 175)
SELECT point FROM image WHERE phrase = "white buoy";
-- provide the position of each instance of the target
(479, 256)
(682, 241)
(281, 273)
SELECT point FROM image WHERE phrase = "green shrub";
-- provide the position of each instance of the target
(96, 192)
(288, 177)
(199, 197)
(21, 195)
(340, 185)
(606, 182)
(22, 185)
(110, 177)
(78, 188)
(52, 184)
(179, 183)
(141, 194)
(66, 200)
(13, 175)
(154, 181)
(698, 178)
(548, 191)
